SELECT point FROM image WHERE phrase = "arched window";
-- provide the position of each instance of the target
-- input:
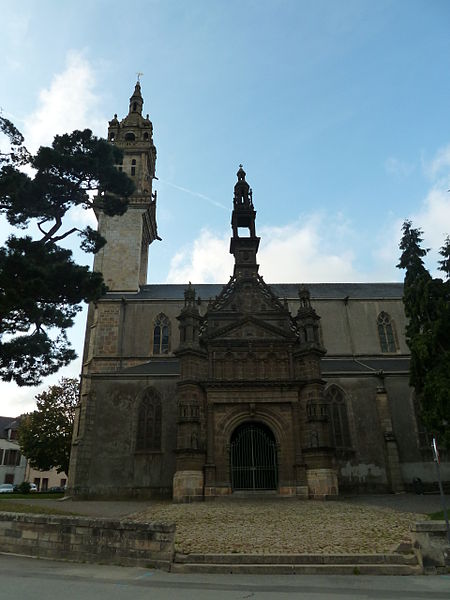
(386, 333)
(161, 335)
(340, 433)
(145, 135)
(130, 137)
(149, 422)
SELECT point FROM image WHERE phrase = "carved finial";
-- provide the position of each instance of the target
(189, 295)
(139, 75)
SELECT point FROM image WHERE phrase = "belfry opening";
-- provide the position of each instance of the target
(253, 458)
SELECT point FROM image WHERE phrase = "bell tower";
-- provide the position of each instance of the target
(123, 260)
(243, 247)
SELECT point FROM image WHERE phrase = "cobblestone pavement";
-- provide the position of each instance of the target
(283, 526)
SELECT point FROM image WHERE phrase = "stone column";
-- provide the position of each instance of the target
(390, 443)
(319, 455)
(301, 486)
(210, 467)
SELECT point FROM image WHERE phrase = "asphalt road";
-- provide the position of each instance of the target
(34, 579)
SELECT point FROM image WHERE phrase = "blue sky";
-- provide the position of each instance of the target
(337, 109)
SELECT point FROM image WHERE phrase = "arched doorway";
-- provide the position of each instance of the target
(253, 454)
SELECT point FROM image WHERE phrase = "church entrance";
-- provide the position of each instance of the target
(253, 455)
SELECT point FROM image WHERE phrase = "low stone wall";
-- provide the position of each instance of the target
(431, 546)
(83, 539)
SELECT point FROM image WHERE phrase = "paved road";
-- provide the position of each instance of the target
(33, 579)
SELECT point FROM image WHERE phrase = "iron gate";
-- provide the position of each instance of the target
(253, 456)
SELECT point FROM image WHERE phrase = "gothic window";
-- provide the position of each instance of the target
(112, 135)
(145, 136)
(339, 429)
(149, 422)
(386, 333)
(161, 335)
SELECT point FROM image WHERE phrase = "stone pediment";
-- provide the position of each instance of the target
(251, 328)
(251, 295)
(247, 309)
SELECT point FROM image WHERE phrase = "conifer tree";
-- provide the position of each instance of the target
(41, 287)
(427, 307)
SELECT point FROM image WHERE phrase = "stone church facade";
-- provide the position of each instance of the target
(194, 392)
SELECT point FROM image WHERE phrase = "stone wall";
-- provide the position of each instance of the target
(432, 546)
(87, 539)
(104, 459)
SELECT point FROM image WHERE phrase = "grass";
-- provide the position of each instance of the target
(439, 516)
(31, 496)
(18, 507)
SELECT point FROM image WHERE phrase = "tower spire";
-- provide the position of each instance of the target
(243, 216)
(136, 100)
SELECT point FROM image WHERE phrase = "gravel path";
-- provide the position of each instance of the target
(360, 524)
(283, 527)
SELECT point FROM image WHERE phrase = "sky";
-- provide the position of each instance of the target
(338, 111)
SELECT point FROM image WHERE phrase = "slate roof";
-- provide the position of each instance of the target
(165, 291)
(364, 365)
(159, 367)
(329, 365)
(4, 424)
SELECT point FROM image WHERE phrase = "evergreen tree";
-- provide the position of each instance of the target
(427, 307)
(45, 435)
(41, 287)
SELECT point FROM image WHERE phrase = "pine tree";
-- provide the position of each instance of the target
(41, 287)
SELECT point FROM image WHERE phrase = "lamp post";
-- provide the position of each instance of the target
(438, 470)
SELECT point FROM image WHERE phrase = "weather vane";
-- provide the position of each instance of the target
(139, 75)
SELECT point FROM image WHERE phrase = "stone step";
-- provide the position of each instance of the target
(258, 495)
(296, 559)
(297, 569)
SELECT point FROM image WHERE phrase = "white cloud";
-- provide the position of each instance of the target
(295, 252)
(302, 252)
(17, 400)
(400, 168)
(432, 217)
(81, 217)
(439, 162)
(69, 103)
(205, 261)
(15, 36)
(434, 220)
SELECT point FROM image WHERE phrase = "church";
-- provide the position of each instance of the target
(194, 392)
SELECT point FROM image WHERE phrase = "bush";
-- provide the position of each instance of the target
(24, 488)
